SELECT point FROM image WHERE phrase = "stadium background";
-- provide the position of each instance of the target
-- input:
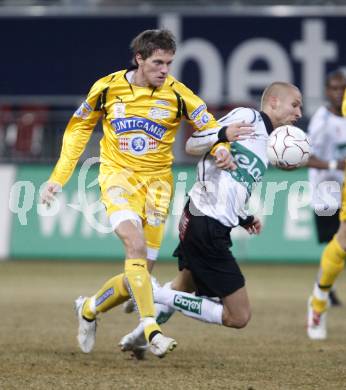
(226, 53)
(51, 51)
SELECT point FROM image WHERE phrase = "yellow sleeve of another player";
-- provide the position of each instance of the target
(344, 105)
(196, 111)
(78, 132)
(224, 145)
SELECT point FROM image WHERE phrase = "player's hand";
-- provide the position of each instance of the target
(254, 227)
(285, 167)
(224, 159)
(47, 195)
(239, 131)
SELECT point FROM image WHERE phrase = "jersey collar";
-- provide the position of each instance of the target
(267, 122)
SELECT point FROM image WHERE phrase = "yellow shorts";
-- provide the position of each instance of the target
(147, 196)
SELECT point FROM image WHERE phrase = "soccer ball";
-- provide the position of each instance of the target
(288, 147)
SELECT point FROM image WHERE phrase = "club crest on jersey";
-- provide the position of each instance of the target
(119, 110)
(138, 144)
(126, 125)
(83, 110)
(205, 118)
(158, 113)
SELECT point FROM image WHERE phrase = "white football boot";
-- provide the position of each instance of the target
(316, 323)
(86, 329)
(160, 345)
(135, 344)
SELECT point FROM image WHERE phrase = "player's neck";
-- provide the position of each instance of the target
(139, 80)
(335, 110)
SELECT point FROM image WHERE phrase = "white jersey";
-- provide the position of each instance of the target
(327, 133)
(223, 194)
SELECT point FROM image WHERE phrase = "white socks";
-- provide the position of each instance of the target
(202, 309)
(167, 301)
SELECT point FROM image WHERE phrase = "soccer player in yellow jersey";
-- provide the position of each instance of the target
(141, 110)
(331, 265)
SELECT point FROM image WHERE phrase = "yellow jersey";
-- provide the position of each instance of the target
(344, 105)
(139, 125)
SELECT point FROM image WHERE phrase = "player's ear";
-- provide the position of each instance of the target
(273, 102)
(139, 59)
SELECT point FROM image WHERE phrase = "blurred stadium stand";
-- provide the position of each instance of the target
(175, 3)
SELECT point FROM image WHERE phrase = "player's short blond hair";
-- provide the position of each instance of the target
(277, 88)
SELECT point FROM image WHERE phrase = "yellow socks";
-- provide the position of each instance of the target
(139, 285)
(112, 293)
(332, 264)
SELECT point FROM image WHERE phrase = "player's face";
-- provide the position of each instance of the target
(335, 92)
(289, 107)
(154, 69)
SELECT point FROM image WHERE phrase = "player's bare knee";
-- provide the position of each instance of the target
(183, 282)
(135, 247)
(238, 321)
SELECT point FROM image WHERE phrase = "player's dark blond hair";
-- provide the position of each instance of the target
(277, 88)
(150, 40)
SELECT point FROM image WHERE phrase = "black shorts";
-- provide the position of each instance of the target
(326, 226)
(204, 250)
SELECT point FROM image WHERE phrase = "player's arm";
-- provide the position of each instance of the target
(75, 139)
(208, 131)
(223, 156)
(319, 138)
(202, 141)
(235, 126)
(317, 163)
(251, 224)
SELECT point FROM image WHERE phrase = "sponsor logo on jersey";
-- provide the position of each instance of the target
(250, 168)
(162, 102)
(193, 305)
(250, 165)
(125, 125)
(197, 111)
(104, 296)
(158, 113)
(119, 110)
(83, 110)
(137, 144)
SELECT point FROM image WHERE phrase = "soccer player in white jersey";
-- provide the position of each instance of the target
(327, 131)
(327, 134)
(217, 204)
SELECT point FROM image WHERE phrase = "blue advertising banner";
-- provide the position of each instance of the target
(224, 58)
